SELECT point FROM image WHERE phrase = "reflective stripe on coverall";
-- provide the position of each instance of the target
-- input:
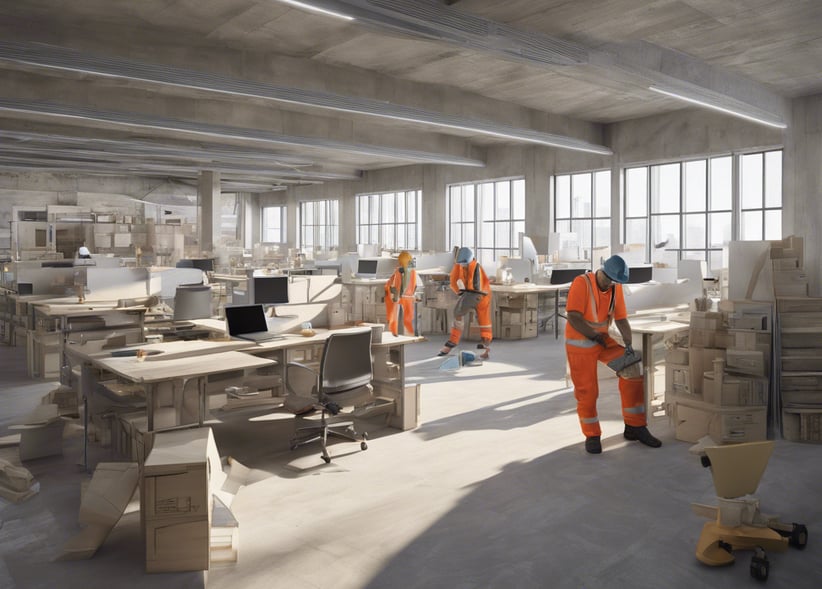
(406, 301)
(583, 355)
(474, 279)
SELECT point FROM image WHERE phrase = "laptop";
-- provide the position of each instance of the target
(248, 322)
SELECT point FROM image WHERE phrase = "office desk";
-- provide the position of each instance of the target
(178, 362)
(650, 329)
(388, 356)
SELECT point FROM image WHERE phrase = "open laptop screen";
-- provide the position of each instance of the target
(245, 319)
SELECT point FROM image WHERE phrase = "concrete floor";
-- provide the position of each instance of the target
(493, 489)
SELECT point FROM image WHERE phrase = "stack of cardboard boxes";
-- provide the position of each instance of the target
(800, 324)
(516, 315)
(719, 384)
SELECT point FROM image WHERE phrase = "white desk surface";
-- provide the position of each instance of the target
(151, 371)
(320, 335)
(527, 287)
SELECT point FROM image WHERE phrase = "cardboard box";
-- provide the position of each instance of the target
(709, 338)
(802, 425)
(676, 356)
(752, 340)
(711, 320)
(747, 362)
(176, 475)
(178, 546)
(694, 420)
(677, 379)
(726, 390)
(700, 361)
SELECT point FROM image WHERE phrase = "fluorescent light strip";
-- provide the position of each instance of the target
(305, 6)
(769, 122)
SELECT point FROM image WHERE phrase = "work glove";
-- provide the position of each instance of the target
(600, 339)
(629, 350)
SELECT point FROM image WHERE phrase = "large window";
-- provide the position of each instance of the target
(487, 217)
(319, 225)
(688, 210)
(273, 224)
(582, 206)
(390, 219)
(760, 190)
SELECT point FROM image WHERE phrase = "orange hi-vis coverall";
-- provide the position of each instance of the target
(598, 309)
(475, 280)
(406, 300)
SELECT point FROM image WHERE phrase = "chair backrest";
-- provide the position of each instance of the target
(346, 361)
(192, 302)
(565, 275)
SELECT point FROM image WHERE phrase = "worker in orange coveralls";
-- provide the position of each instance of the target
(473, 288)
(594, 300)
(400, 297)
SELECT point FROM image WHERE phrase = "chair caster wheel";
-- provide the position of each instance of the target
(363, 446)
(799, 536)
(759, 565)
(326, 459)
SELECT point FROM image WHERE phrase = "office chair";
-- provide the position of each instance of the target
(344, 380)
(737, 523)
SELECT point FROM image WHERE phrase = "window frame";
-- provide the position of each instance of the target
(329, 229)
(472, 228)
(373, 228)
(283, 221)
(591, 218)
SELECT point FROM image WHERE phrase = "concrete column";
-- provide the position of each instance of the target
(434, 210)
(538, 218)
(802, 184)
(208, 197)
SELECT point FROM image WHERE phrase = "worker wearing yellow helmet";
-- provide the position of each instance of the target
(400, 296)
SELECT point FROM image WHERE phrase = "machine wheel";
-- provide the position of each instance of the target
(799, 536)
(363, 446)
(326, 459)
(759, 565)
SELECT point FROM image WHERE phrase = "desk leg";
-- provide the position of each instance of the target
(150, 406)
(201, 394)
(556, 314)
(86, 378)
(648, 371)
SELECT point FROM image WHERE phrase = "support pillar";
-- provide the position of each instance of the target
(208, 198)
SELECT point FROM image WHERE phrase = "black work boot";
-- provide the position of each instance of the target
(641, 434)
(593, 445)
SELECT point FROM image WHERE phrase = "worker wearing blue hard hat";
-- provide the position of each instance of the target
(473, 289)
(595, 300)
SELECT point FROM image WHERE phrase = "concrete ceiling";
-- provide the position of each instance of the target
(271, 94)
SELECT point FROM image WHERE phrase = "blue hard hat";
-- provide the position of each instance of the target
(464, 255)
(616, 269)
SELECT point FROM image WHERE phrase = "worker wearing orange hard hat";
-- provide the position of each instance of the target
(595, 299)
(400, 296)
(473, 288)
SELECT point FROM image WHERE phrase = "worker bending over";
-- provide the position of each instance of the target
(594, 300)
(400, 296)
(473, 289)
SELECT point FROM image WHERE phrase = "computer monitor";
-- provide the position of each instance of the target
(640, 274)
(565, 275)
(192, 302)
(270, 290)
(204, 264)
(367, 267)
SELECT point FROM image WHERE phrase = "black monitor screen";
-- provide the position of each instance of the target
(25, 288)
(245, 319)
(367, 266)
(204, 264)
(640, 274)
(271, 290)
(565, 275)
